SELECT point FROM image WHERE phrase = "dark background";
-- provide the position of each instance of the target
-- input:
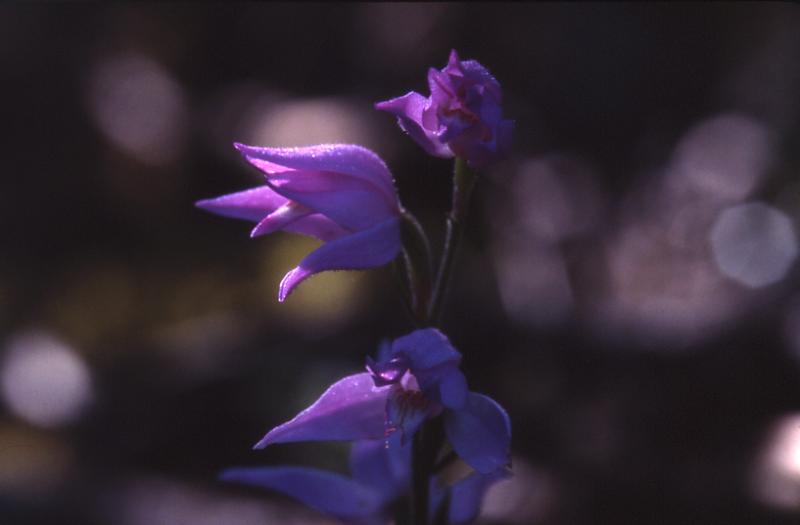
(650, 365)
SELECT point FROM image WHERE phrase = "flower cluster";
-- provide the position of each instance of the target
(344, 195)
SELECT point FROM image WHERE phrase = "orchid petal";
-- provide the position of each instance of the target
(350, 202)
(323, 491)
(382, 464)
(453, 390)
(347, 159)
(252, 205)
(480, 433)
(281, 218)
(350, 409)
(434, 363)
(409, 112)
(318, 226)
(467, 495)
(426, 348)
(376, 246)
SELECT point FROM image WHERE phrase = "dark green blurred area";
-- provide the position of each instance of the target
(628, 289)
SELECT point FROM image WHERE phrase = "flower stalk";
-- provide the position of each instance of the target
(419, 268)
(428, 441)
(463, 183)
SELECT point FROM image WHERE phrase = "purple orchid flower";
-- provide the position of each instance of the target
(341, 194)
(462, 117)
(381, 474)
(414, 379)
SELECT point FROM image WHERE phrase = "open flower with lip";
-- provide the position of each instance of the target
(414, 379)
(462, 117)
(339, 193)
(380, 476)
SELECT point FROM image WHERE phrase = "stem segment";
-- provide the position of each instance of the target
(419, 268)
(427, 309)
(427, 442)
(463, 184)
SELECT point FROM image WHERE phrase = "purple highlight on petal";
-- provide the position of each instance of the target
(252, 205)
(281, 218)
(346, 159)
(409, 110)
(388, 372)
(352, 408)
(318, 226)
(376, 246)
(323, 491)
(480, 433)
(348, 201)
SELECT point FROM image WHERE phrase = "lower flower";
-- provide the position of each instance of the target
(414, 379)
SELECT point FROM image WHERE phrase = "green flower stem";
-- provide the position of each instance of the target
(463, 183)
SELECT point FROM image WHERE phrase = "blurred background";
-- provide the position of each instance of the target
(628, 289)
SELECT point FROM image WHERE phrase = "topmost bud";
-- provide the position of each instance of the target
(462, 117)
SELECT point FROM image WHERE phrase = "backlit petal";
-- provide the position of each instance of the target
(480, 433)
(252, 205)
(376, 246)
(346, 159)
(326, 492)
(352, 408)
(281, 218)
(409, 112)
(348, 201)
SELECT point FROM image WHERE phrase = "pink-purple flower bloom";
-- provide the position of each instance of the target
(341, 194)
(415, 378)
(462, 117)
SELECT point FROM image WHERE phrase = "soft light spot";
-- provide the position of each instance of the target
(554, 198)
(44, 381)
(724, 156)
(163, 501)
(533, 281)
(32, 462)
(139, 107)
(776, 478)
(529, 496)
(312, 121)
(324, 300)
(753, 244)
